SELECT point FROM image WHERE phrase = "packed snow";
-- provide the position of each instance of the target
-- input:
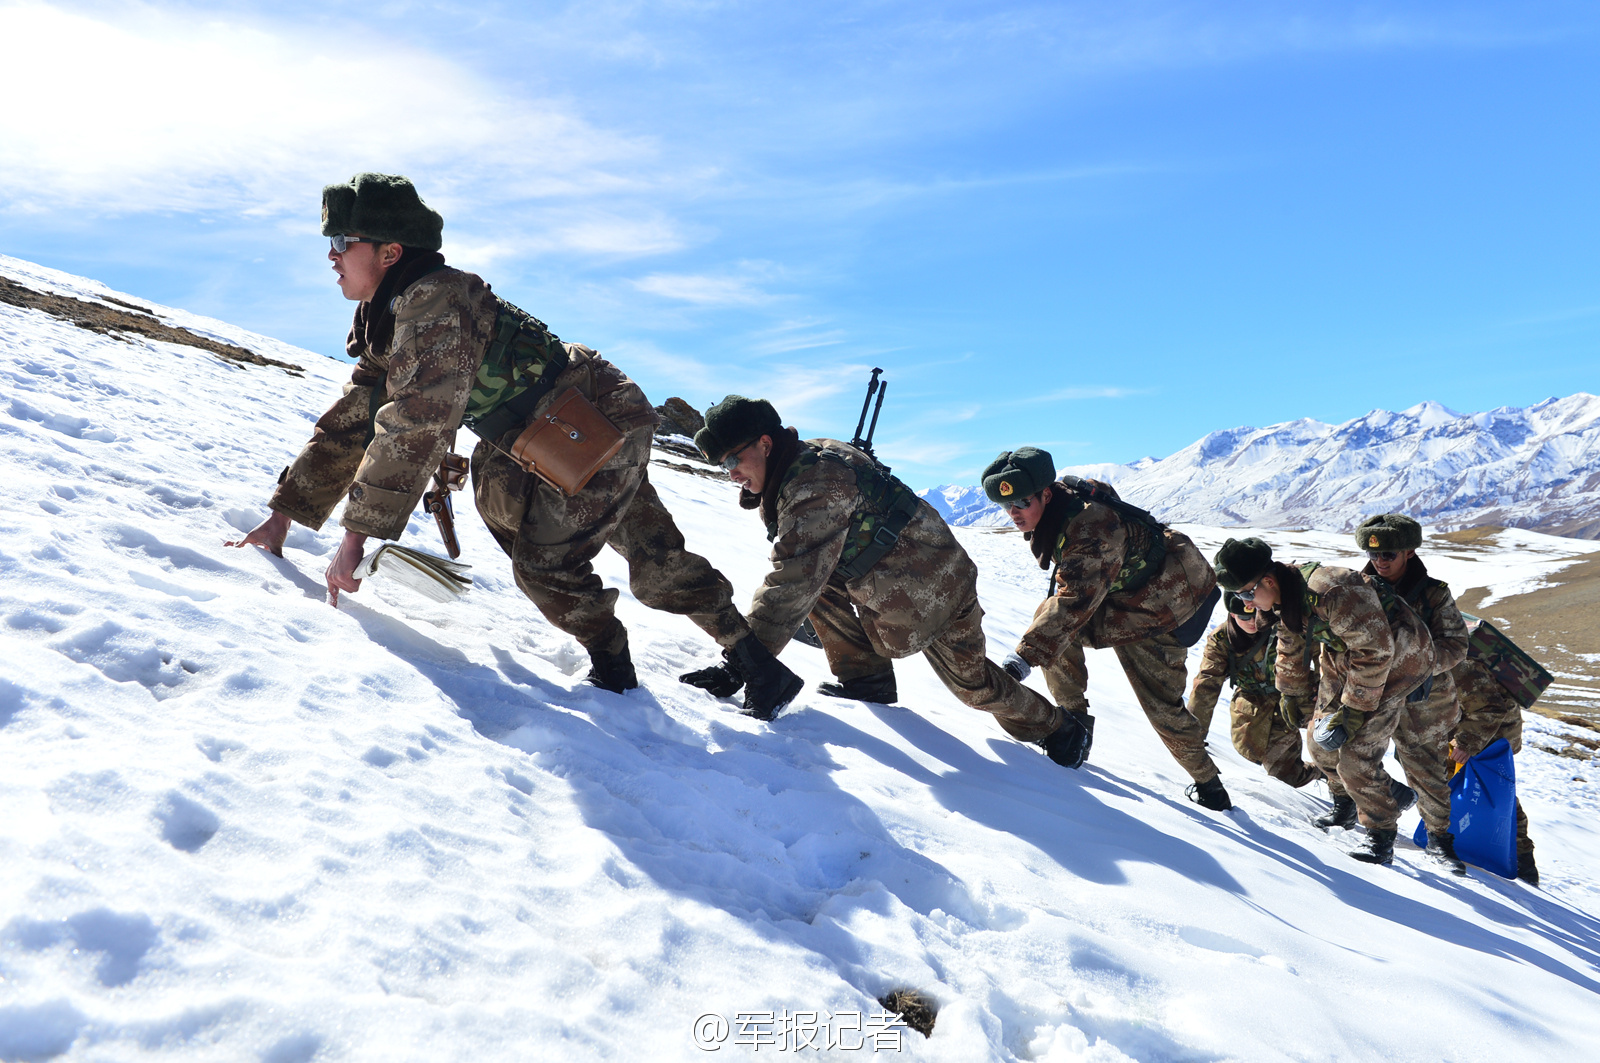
(1536, 467)
(236, 823)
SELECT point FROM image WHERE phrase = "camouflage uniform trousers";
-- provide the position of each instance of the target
(1155, 668)
(1488, 712)
(1261, 737)
(1356, 768)
(959, 657)
(1422, 745)
(552, 541)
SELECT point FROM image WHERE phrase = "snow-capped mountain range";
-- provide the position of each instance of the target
(1535, 467)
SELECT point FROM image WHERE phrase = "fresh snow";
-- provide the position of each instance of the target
(1537, 467)
(237, 824)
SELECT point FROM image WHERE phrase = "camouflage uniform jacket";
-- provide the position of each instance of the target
(442, 326)
(1431, 599)
(1369, 659)
(905, 601)
(1089, 556)
(1252, 672)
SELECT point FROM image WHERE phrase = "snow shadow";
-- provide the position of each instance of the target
(1050, 807)
(10, 701)
(750, 822)
(39, 1031)
(122, 940)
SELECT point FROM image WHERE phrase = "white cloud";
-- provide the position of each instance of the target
(156, 110)
(703, 290)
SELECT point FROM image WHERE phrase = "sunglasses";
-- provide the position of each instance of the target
(1383, 555)
(731, 461)
(1250, 594)
(342, 243)
(1018, 507)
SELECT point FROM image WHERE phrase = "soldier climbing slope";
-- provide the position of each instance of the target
(875, 567)
(437, 349)
(1374, 651)
(1244, 651)
(1422, 737)
(1123, 580)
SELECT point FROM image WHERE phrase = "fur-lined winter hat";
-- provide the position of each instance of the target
(1240, 561)
(1389, 531)
(1017, 474)
(383, 206)
(733, 422)
(1238, 606)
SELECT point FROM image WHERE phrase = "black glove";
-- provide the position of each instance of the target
(1016, 667)
(720, 680)
(1335, 729)
(1292, 710)
(769, 686)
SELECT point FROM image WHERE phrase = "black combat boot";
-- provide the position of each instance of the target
(1378, 849)
(1403, 795)
(768, 685)
(612, 668)
(1068, 745)
(875, 688)
(1442, 849)
(1342, 814)
(1209, 794)
(1527, 870)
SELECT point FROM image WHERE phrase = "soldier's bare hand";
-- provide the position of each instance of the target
(340, 575)
(1458, 754)
(269, 535)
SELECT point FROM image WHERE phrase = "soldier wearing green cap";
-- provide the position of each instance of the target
(435, 349)
(1422, 735)
(1122, 580)
(874, 566)
(1243, 651)
(1373, 653)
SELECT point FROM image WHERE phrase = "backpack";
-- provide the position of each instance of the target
(887, 506)
(519, 368)
(1147, 542)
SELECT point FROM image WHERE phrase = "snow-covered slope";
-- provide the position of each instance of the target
(238, 824)
(1537, 467)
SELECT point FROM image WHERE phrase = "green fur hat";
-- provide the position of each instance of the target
(383, 206)
(1017, 474)
(1389, 531)
(733, 422)
(1237, 605)
(1240, 561)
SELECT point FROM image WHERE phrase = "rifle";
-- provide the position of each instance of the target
(450, 476)
(865, 444)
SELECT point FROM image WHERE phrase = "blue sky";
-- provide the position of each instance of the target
(1104, 228)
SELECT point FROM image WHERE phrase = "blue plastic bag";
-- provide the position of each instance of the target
(1483, 811)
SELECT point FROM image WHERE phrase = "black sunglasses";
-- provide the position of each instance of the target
(1383, 555)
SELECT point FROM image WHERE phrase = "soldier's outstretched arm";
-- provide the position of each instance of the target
(1356, 615)
(812, 523)
(269, 534)
(1088, 566)
(340, 575)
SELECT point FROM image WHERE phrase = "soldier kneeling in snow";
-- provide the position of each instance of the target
(1122, 580)
(437, 349)
(1244, 651)
(875, 567)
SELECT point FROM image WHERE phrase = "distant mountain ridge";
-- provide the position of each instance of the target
(1535, 467)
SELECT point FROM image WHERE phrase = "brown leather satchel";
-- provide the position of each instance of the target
(567, 443)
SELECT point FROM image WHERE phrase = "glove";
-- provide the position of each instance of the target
(720, 680)
(1016, 667)
(1292, 710)
(1335, 729)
